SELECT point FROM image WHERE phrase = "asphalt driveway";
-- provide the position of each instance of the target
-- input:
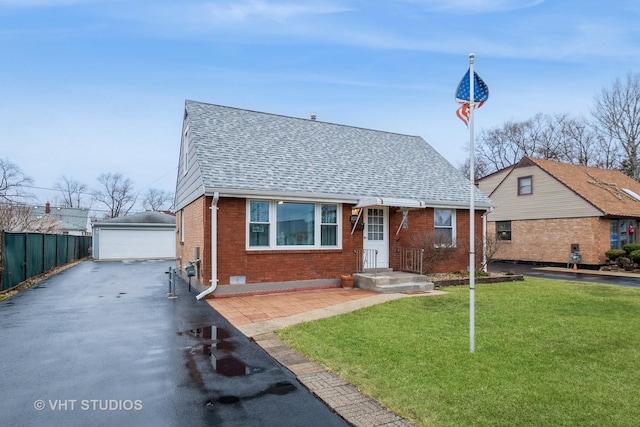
(561, 273)
(101, 344)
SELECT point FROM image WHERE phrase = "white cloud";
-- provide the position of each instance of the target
(475, 6)
(235, 11)
(41, 3)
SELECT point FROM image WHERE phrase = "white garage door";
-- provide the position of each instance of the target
(137, 243)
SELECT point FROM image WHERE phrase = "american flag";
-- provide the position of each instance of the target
(463, 96)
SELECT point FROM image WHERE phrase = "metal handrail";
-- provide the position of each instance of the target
(411, 260)
(366, 259)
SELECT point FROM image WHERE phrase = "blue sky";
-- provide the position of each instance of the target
(92, 86)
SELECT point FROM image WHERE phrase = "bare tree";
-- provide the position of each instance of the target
(20, 217)
(116, 193)
(503, 146)
(617, 114)
(609, 151)
(491, 245)
(157, 200)
(71, 191)
(553, 137)
(12, 182)
(480, 168)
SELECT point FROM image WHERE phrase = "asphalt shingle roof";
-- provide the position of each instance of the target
(76, 219)
(603, 188)
(247, 150)
(149, 217)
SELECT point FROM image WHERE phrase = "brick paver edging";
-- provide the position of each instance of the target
(346, 400)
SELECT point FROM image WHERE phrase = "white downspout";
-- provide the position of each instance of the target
(214, 248)
(485, 266)
(484, 241)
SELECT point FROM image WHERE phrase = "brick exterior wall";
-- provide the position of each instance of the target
(550, 240)
(197, 224)
(277, 265)
(289, 265)
(421, 221)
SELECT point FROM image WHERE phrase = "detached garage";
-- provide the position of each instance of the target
(147, 235)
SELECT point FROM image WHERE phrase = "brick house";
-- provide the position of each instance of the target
(292, 200)
(547, 208)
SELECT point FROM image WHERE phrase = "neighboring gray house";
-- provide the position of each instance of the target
(72, 221)
(147, 235)
(267, 198)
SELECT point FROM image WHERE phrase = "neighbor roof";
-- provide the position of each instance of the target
(70, 219)
(603, 188)
(244, 150)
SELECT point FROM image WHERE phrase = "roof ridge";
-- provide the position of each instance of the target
(300, 118)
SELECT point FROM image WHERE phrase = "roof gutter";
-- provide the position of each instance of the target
(214, 248)
(337, 198)
(279, 195)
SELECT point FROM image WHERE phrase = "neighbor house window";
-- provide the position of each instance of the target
(445, 227)
(503, 230)
(623, 232)
(280, 224)
(525, 185)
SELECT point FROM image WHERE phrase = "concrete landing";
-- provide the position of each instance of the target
(386, 282)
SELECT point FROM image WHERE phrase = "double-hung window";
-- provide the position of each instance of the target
(525, 185)
(445, 227)
(503, 230)
(291, 225)
(329, 225)
(259, 223)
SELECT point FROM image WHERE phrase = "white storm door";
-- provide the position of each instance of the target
(376, 238)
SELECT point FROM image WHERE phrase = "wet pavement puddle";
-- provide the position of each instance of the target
(279, 388)
(214, 354)
(221, 362)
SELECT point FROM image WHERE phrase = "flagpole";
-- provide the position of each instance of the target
(472, 254)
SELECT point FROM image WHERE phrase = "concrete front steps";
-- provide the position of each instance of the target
(387, 281)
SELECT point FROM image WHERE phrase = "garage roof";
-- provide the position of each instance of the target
(150, 217)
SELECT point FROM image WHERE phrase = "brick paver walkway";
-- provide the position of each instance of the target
(243, 310)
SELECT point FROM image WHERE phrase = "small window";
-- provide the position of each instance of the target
(525, 185)
(503, 230)
(185, 150)
(445, 227)
(182, 225)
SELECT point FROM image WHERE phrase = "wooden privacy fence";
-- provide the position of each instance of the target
(25, 255)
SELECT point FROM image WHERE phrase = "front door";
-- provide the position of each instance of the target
(376, 238)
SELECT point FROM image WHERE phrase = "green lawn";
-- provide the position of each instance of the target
(547, 353)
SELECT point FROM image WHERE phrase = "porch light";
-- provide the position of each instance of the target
(354, 215)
